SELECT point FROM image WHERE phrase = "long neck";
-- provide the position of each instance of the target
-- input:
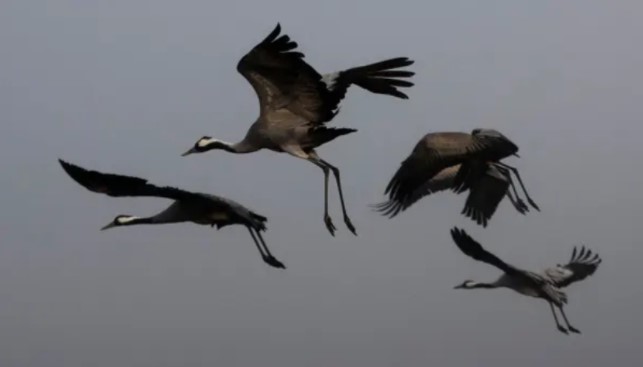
(239, 148)
(146, 220)
(160, 218)
(483, 285)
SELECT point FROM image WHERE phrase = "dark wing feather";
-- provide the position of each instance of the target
(485, 195)
(440, 182)
(433, 153)
(581, 265)
(282, 79)
(378, 78)
(119, 185)
(473, 249)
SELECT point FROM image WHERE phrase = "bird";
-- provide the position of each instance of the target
(296, 102)
(199, 208)
(546, 285)
(485, 193)
(459, 161)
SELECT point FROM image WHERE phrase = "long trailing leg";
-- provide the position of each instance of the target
(558, 325)
(274, 260)
(518, 204)
(254, 239)
(313, 158)
(329, 222)
(515, 199)
(522, 185)
(347, 220)
(265, 253)
(570, 327)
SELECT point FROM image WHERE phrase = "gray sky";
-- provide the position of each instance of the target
(126, 86)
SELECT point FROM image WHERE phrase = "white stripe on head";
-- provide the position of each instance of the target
(125, 219)
(205, 141)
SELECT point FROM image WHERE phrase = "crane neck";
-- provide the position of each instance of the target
(483, 285)
(242, 147)
(139, 220)
(238, 148)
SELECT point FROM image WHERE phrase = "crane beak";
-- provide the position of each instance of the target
(516, 154)
(110, 225)
(192, 150)
(458, 287)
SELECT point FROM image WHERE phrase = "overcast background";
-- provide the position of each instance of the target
(126, 86)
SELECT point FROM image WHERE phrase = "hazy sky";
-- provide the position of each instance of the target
(126, 86)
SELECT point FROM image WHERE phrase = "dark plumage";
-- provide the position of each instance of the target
(486, 192)
(457, 161)
(188, 206)
(545, 286)
(296, 102)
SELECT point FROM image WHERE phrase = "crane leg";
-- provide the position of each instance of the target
(318, 162)
(518, 204)
(265, 253)
(347, 220)
(558, 325)
(517, 201)
(522, 185)
(571, 328)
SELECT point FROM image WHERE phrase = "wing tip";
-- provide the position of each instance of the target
(457, 233)
(64, 163)
(273, 34)
(71, 169)
(389, 208)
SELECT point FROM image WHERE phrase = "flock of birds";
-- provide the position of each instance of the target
(296, 103)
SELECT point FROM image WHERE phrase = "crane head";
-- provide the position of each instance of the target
(206, 143)
(120, 220)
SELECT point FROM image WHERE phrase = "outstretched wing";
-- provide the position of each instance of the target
(485, 194)
(581, 265)
(380, 78)
(277, 72)
(440, 182)
(433, 153)
(473, 249)
(283, 80)
(118, 185)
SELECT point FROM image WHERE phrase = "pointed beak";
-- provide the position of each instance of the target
(110, 225)
(458, 287)
(192, 150)
(516, 154)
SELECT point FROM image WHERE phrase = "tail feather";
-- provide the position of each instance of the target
(258, 221)
(322, 134)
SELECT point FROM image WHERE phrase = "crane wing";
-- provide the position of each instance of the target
(433, 153)
(282, 79)
(119, 185)
(473, 249)
(443, 180)
(485, 194)
(277, 72)
(581, 265)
